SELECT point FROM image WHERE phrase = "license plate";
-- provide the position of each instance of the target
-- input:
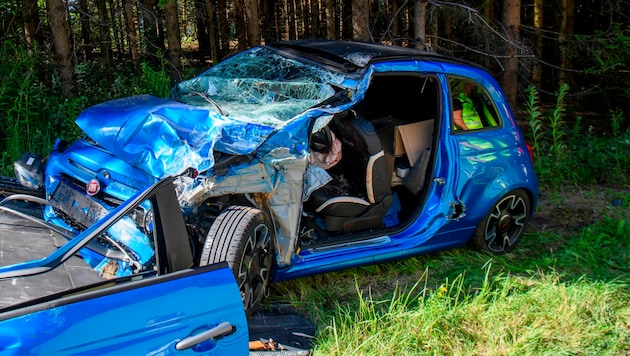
(80, 208)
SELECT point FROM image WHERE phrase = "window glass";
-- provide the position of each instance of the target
(472, 107)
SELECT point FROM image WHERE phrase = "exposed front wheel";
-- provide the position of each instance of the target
(502, 227)
(243, 237)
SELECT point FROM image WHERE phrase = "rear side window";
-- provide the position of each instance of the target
(472, 107)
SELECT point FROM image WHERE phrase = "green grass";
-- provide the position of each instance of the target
(554, 295)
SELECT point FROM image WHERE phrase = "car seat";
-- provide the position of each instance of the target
(363, 163)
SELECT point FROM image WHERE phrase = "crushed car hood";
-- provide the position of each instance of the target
(165, 137)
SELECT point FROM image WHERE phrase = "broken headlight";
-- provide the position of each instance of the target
(29, 170)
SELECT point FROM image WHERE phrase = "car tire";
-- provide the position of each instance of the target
(243, 237)
(502, 227)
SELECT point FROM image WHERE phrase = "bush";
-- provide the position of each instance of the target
(35, 114)
(573, 155)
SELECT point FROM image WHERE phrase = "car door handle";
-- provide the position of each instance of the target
(219, 330)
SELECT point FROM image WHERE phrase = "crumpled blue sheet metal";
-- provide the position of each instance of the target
(165, 137)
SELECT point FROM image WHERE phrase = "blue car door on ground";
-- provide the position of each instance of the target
(156, 316)
(112, 299)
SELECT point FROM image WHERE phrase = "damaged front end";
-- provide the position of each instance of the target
(237, 134)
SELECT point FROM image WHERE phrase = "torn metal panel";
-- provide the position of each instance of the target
(277, 177)
(286, 201)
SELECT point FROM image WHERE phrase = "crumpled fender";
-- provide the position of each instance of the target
(165, 137)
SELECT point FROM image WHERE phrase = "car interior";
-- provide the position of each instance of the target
(379, 181)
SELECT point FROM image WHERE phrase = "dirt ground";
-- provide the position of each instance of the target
(575, 207)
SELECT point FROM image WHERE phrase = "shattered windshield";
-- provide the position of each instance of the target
(259, 86)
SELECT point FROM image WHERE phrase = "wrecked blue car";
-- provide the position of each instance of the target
(298, 158)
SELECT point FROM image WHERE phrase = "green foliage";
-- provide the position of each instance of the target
(566, 155)
(35, 115)
(32, 109)
(608, 50)
(556, 123)
(527, 310)
(603, 57)
(155, 82)
(535, 123)
(128, 81)
(602, 250)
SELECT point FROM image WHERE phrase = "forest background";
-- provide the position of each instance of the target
(60, 56)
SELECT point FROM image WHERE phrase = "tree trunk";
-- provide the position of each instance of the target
(130, 18)
(567, 18)
(291, 19)
(395, 21)
(315, 19)
(86, 35)
(286, 27)
(202, 17)
(410, 20)
(305, 16)
(280, 19)
(420, 22)
(331, 20)
(224, 32)
(212, 33)
(30, 18)
(183, 28)
(269, 21)
(346, 20)
(119, 49)
(433, 31)
(103, 30)
(253, 22)
(150, 33)
(490, 13)
(241, 27)
(360, 20)
(447, 26)
(173, 38)
(160, 26)
(538, 42)
(57, 17)
(511, 22)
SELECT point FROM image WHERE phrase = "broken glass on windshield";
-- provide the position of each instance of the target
(259, 86)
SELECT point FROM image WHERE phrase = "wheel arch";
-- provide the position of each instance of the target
(480, 201)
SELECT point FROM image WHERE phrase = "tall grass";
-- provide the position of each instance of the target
(574, 155)
(534, 120)
(556, 295)
(536, 315)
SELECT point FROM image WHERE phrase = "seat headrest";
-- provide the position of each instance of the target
(321, 141)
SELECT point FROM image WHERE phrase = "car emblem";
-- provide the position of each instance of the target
(93, 187)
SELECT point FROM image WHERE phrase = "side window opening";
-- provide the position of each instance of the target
(404, 99)
(472, 107)
(397, 120)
